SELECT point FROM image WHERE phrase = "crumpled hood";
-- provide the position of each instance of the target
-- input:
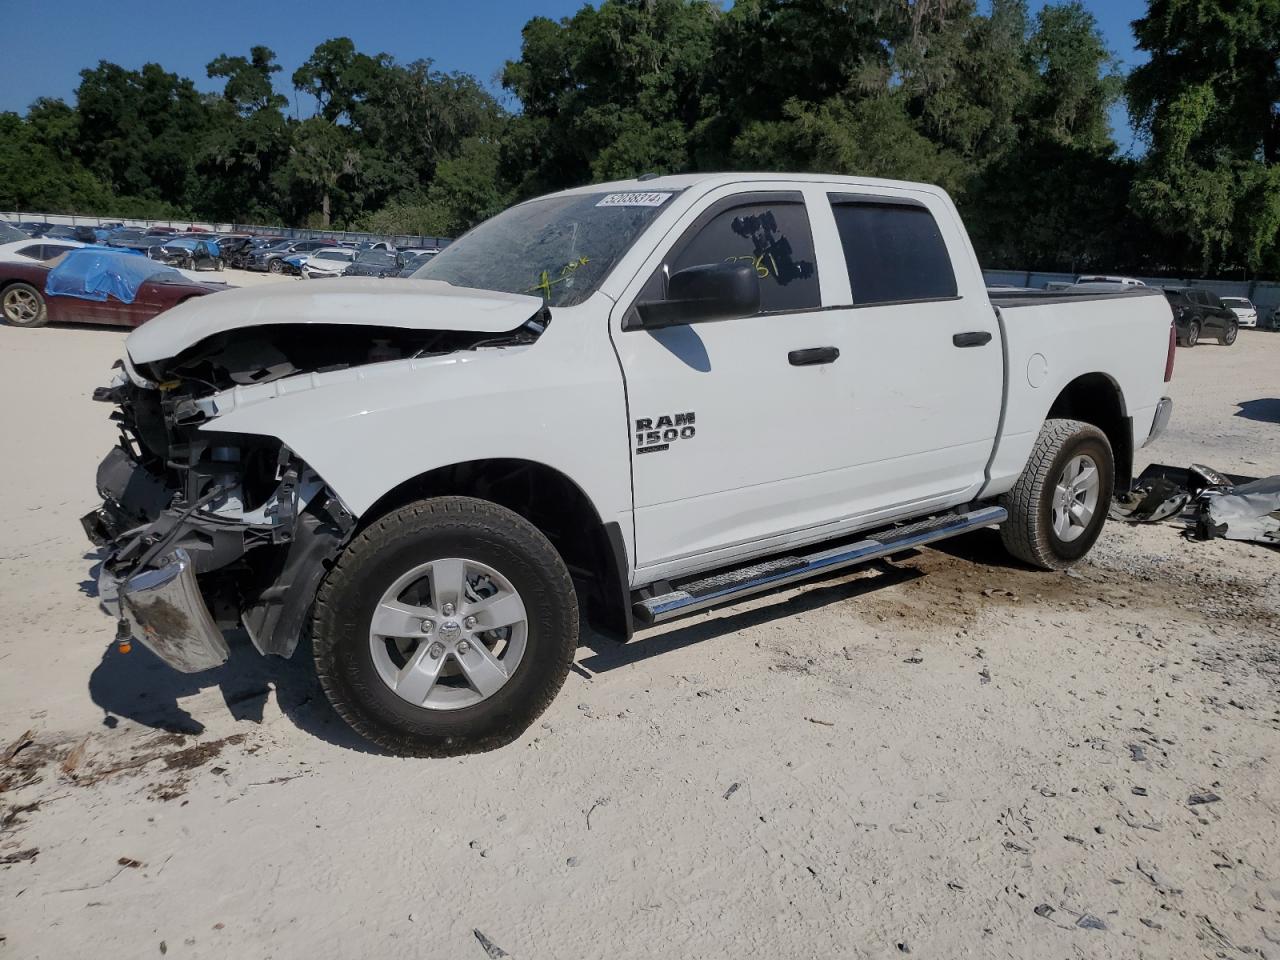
(358, 301)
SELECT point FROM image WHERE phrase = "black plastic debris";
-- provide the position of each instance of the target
(1214, 504)
(1089, 922)
(1044, 910)
(1196, 799)
(491, 949)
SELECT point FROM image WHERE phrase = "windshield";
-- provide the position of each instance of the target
(560, 248)
(9, 234)
(332, 255)
(378, 258)
(1236, 302)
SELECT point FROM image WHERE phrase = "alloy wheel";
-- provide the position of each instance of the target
(1075, 498)
(448, 634)
(21, 306)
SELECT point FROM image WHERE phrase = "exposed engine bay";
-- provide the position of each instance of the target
(242, 512)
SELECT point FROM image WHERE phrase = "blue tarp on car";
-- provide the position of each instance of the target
(94, 273)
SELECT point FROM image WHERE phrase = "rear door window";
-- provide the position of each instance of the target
(894, 252)
(772, 235)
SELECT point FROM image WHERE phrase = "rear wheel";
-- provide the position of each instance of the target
(1193, 333)
(1229, 333)
(23, 306)
(1060, 502)
(446, 627)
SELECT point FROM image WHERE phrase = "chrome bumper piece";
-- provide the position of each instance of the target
(166, 613)
(1164, 410)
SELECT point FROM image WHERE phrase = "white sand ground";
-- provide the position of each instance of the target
(953, 757)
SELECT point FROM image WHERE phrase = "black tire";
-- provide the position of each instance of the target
(1028, 534)
(276, 267)
(1193, 333)
(390, 547)
(22, 305)
(1229, 333)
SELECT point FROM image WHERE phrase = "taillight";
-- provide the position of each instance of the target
(1168, 363)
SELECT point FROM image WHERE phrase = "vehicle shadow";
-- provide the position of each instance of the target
(1264, 410)
(982, 547)
(141, 687)
(847, 585)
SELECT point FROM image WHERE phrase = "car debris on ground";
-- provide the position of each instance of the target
(1213, 504)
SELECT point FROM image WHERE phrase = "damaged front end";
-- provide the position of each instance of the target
(210, 529)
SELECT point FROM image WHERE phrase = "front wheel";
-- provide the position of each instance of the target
(1060, 502)
(1229, 333)
(24, 306)
(446, 627)
(276, 266)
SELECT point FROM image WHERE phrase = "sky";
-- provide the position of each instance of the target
(44, 53)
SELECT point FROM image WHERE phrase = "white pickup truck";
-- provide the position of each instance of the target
(636, 399)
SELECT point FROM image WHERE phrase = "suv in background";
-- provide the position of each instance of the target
(272, 259)
(1244, 310)
(1198, 313)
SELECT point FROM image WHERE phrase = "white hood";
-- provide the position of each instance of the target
(351, 301)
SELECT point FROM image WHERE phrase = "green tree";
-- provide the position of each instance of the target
(323, 158)
(249, 88)
(593, 85)
(247, 142)
(1206, 101)
(34, 176)
(140, 130)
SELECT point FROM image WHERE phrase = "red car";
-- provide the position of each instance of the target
(24, 303)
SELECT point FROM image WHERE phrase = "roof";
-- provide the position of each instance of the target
(683, 181)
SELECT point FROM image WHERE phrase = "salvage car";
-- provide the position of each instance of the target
(143, 244)
(148, 288)
(327, 262)
(272, 258)
(42, 250)
(189, 253)
(375, 263)
(1244, 310)
(638, 399)
(413, 259)
(1197, 313)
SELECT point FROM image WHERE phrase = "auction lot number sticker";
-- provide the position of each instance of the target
(634, 200)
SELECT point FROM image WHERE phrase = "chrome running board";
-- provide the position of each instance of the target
(692, 595)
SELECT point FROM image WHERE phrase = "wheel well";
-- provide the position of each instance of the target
(553, 503)
(1095, 398)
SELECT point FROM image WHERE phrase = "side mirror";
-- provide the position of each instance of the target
(699, 294)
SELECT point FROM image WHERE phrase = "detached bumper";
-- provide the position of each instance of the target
(166, 613)
(1164, 410)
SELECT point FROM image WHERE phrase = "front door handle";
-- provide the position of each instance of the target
(813, 356)
(975, 338)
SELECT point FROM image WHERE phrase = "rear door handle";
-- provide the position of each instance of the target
(975, 338)
(813, 356)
